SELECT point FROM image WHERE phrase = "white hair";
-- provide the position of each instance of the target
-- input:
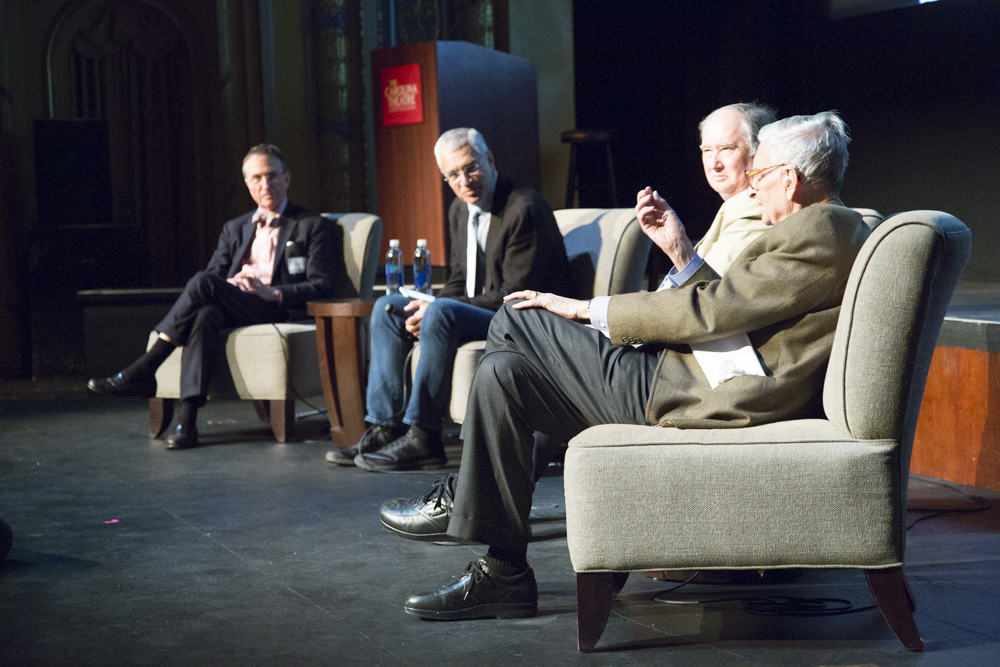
(815, 145)
(459, 138)
(753, 116)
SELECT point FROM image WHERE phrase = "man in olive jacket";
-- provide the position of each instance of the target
(543, 372)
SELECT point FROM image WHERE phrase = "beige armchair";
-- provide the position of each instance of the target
(273, 364)
(871, 217)
(817, 493)
(607, 252)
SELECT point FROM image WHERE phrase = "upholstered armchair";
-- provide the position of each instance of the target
(607, 252)
(812, 493)
(273, 364)
(871, 217)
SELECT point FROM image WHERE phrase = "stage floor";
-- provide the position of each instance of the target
(245, 551)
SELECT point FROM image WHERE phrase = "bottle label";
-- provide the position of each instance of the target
(393, 278)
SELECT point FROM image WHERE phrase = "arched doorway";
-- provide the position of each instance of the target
(125, 162)
(126, 70)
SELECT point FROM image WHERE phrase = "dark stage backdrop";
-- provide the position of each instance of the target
(919, 87)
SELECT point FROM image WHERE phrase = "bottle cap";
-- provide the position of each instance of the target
(421, 243)
(393, 243)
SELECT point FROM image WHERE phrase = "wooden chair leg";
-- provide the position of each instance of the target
(263, 411)
(618, 580)
(161, 412)
(282, 418)
(593, 606)
(895, 601)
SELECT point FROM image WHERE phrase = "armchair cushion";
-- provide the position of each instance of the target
(809, 494)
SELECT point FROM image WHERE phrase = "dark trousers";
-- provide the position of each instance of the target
(207, 305)
(541, 372)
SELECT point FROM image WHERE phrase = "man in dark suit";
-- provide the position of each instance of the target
(504, 238)
(268, 264)
(780, 298)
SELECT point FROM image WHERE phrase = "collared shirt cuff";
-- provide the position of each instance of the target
(599, 313)
(678, 278)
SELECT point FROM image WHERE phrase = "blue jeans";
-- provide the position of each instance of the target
(447, 324)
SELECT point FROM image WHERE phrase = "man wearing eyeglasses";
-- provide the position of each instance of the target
(545, 372)
(504, 238)
(268, 264)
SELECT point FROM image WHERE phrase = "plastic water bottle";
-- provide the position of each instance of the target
(422, 267)
(393, 268)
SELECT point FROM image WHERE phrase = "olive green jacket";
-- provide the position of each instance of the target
(784, 290)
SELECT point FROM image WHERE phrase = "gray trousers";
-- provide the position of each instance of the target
(541, 372)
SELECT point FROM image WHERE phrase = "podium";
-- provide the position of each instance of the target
(459, 85)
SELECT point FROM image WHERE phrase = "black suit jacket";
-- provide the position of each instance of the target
(320, 274)
(524, 249)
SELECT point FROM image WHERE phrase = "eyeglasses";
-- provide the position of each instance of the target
(755, 175)
(470, 170)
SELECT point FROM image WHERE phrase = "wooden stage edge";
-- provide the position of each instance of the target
(958, 432)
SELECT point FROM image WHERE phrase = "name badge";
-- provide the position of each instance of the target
(296, 265)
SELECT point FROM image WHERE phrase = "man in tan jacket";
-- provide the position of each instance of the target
(728, 145)
(543, 372)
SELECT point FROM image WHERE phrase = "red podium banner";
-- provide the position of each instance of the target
(402, 102)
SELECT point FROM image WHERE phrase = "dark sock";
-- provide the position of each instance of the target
(507, 563)
(149, 362)
(187, 415)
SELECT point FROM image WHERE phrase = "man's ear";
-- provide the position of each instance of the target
(489, 158)
(792, 183)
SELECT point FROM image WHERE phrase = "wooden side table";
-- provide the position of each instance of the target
(341, 346)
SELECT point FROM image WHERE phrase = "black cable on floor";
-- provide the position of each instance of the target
(981, 505)
(774, 605)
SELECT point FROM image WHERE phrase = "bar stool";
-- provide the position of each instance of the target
(577, 138)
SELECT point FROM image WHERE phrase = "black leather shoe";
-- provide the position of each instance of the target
(183, 437)
(424, 518)
(116, 385)
(416, 450)
(375, 438)
(479, 593)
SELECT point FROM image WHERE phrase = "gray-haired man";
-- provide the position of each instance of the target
(504, 238)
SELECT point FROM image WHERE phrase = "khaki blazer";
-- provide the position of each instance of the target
(737, 223)
(784, 290)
